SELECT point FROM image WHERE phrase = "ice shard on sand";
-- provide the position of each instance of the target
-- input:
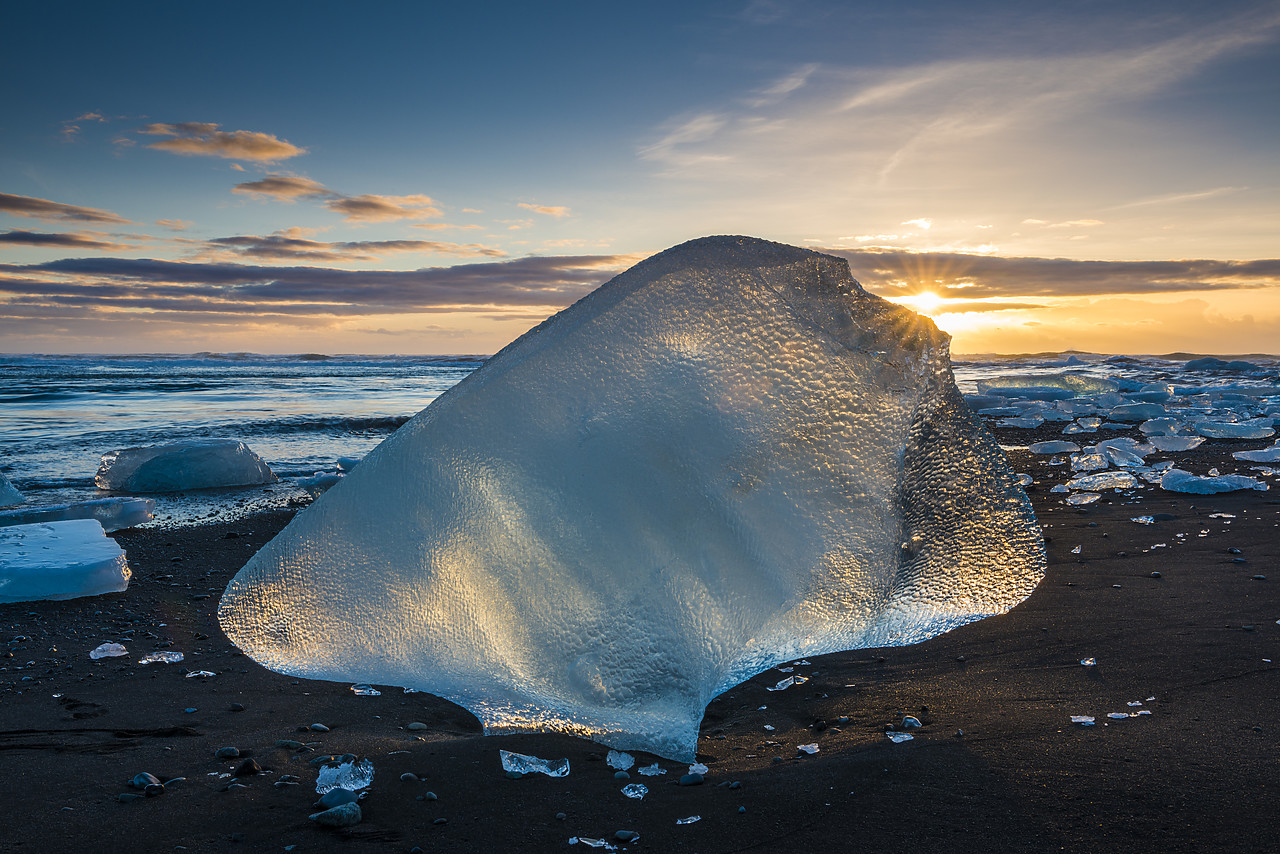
(727, 457)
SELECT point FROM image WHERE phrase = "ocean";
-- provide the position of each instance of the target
(60, 414)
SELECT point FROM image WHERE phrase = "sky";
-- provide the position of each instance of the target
(438, 178)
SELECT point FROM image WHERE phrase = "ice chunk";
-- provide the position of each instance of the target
(899, 737)
(352, 776)
(9, 495)
(1078, 498)
(108, 650)
(346, 464)
(1089, 461)
(189, 464)
(653, 770)
(1243, 430)
(1104, 480)
(112, 513)
(1124, 451)
(619, 760)
(1136, 412)
(1177, 480)
(1083, 720)
(1175, 443)
(1209, 363)
(162, 657)
(1266, 455)
(693, 819)
(59, 560)
(320, 481)
(1024, 422)
(808, 748)
(1009, 385)
(1054, 448)
(635, 790)
(520, 763)
(728, 457)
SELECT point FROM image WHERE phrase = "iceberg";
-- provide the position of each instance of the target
(59, 560)
(9, 495)
(188, 464)
(112, 513)
(728, 457)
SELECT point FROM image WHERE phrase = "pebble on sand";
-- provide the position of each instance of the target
(343, 815)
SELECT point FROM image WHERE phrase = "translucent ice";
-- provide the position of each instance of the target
(9, 495)
(728, 457)
(189, 464)
(1078, 498)
(635, 790)
(112, 513)
(352, 776)
(1053, 447)
(1243, 430)
(520, 763)
(619, 760)
(1266, 455)
(1175, 443)
(1104, 480)
(162, 657)
(1177, 480)
(108, 650)
(59, 560)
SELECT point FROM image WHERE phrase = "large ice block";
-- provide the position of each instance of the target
(112, 513)
(188, 464)
(727, 457)
(9, 495)
(59, 560)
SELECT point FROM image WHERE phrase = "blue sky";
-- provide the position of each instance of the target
(430, 178)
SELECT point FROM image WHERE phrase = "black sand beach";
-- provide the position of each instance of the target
(996, 766)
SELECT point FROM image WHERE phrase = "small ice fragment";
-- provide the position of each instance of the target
(352, 776)
(690, 820)
(1053, 447)
(788, 682)
(620, 761)
(163, 657)
(1062, 487)
(1115, 716)
(635, 790)
(1082, 498)
(899, 737)
(1024, 479)
(365, 691)
(804, 662)
(1076, 550)
(200, 674)
(1104, 480)
(1088, 662)
(1144, 711)
(592, 843)
(761, 708)
(1135, 703)
(107, 650)
(1144, 520)
(652, 770)
(769, 727)
(784, 669)
(1083, 720)
(698, 768)
(808, 748)
(521, 764)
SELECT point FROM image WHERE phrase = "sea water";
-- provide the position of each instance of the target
(60, 414)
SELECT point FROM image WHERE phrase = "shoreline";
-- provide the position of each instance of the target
(1198, 773)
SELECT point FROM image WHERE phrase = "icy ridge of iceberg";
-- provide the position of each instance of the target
(727, 457)
(59, 560)
(186, 464)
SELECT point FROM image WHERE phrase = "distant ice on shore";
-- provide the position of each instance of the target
(728, 457)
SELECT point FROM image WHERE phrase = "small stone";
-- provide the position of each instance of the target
(691, 780)
(336, 797)
(1234, 551)
(561, 816)
(408, 777)
(911, 722)
(1155, 575)
(153, 790)
(1259, 578)
(318, 728)
(430, 796)
(742, 809)
(129, 797)
(1247, 628)
(248, 768)
(626, 836)
(141, 781)
(288, 744)
(227, 753)
(417, 726)
(190, 711)
(441, 821)
(343, 815)
(621, 775)
(237, 707)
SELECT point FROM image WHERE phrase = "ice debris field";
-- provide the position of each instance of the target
(725, 458)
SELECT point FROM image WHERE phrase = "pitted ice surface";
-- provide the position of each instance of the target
(727, 457)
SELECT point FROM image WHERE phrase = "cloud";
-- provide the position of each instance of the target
(204, 139)
(68, 240)
(174, 224)
(969, 276)
(48, 211)
(373, 208)
(212, 289)
(922, 223)
(1178, 198)
(284, 188)
(1075, 223)
(557, 211)
(290, 246)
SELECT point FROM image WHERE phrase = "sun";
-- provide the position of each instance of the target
(927, 302)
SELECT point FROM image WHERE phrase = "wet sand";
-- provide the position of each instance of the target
(996, 766)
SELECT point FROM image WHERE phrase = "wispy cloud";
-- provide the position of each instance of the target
(363, 208)
(205, 139)
(43, 209)
(63, 240)
(1179, 198)
(292, 247)
(968, 276)
(284, 188)
(557, 211)
(174, 224)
